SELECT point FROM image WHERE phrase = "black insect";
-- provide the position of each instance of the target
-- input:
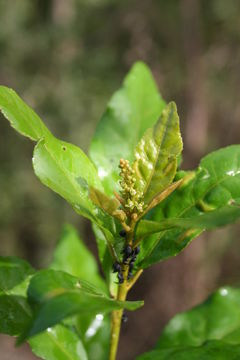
(120, 277)
(123, 233)
(124, 318)
(116, 267)
(127, 251)
(131, 266)
(136, 250)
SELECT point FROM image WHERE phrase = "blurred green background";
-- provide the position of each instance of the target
(66, 58)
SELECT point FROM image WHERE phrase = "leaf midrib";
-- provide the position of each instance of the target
(59, 346)
(158, 152)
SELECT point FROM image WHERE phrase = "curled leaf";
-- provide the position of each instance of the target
(163, 195)
(109, 205)
(156, 154)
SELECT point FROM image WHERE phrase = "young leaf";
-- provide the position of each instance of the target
(58, 343)
(131, 110)
(214, 185)
(163, 195)
(72, 256)
(21, 116)
(109, 205)
(156, 154)
(57, 295)
(208, 331)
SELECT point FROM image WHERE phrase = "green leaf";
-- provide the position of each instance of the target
(208, 331)
(21, 116)
(15, 313)
(156, 154)
(223, 216)
(162, 195)
(65, 169)
(57, 295)
(109, 205)
(131, 110)
(106, 258)
(210, 350)
(58, 343)
(13, 271)
(95, 333)
(61, 166)
(214, 185)
(72, 256)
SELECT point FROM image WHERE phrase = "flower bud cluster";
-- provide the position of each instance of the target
(133, 198)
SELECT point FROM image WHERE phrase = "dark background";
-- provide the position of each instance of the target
(66, 58)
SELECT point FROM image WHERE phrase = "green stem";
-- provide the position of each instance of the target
(123, 288)
(117, 320)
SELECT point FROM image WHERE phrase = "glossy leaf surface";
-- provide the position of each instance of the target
(131, 110)
(216, 184)
(22, 118)
(58, 295)
(61, 166)
(208, 331)
(156, 154)
(58, 343)
(72, 256)
(65, 169)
